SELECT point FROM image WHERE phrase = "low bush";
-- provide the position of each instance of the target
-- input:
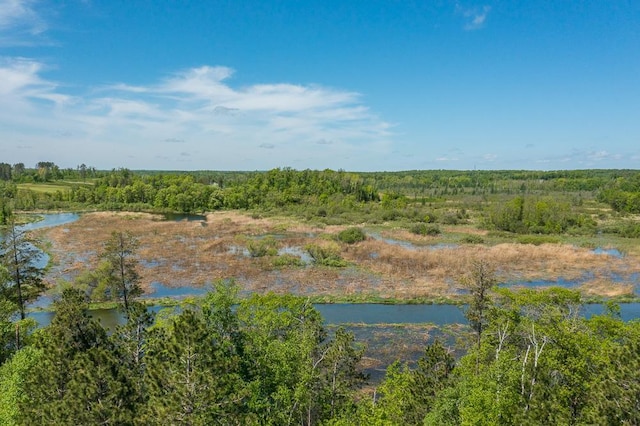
(451, 219)
(262, 247)
(625, 229)
(424, 229)
(472, 239)
(537, 240)
(352, 235)
(389, 215)
(326, 255)
(285, 260)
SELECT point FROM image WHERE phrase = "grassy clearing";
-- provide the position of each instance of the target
(51, 187)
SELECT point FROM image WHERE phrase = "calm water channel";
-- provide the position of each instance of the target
(366, 314)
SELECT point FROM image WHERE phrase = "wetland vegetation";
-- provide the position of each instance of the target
(270, 244)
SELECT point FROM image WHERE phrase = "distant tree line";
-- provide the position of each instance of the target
(123, 188)
(513, 201)
(44, 171)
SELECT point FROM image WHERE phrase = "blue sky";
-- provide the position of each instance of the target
(355, 85)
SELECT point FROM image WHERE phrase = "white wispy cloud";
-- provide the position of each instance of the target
(489, 157)
(20, 23)
(602, 155)
(21, 84)
(475, 17)
(196, 109)
(588, 158)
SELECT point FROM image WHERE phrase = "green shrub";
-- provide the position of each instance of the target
(389, 215)
(429, 218)
(472, 239)
(287, 260)
(424, 229)
(451, 219)
(326, 255)
(352, 235)
(262, 247)
(537, 240)
(626, 230)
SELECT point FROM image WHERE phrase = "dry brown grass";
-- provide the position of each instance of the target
(606, 288)
(195, 253)
(465, 229)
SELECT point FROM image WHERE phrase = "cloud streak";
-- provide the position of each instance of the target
(20, 24)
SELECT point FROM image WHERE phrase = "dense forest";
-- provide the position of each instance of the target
(530, 359)
(526, 356)
(212, 190)
(523, 202)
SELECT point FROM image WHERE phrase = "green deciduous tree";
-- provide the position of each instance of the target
(406, 395)
(542, 363)
(296, 375)
(13, 390)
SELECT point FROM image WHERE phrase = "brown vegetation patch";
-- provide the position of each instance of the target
(464, 229)
(182, 253)
(405, 235)
(606, 288)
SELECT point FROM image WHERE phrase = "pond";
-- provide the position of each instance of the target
(411, 246)
(560, 282)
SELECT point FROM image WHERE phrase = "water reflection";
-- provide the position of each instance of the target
(159, 290)
(51, 219)
(297, 251)
(560, 282)
(609, 252)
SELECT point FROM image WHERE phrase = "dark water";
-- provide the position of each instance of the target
(370, 313)
(628, 311)
(159, 290)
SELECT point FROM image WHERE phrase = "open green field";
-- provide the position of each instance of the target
(52, 187)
